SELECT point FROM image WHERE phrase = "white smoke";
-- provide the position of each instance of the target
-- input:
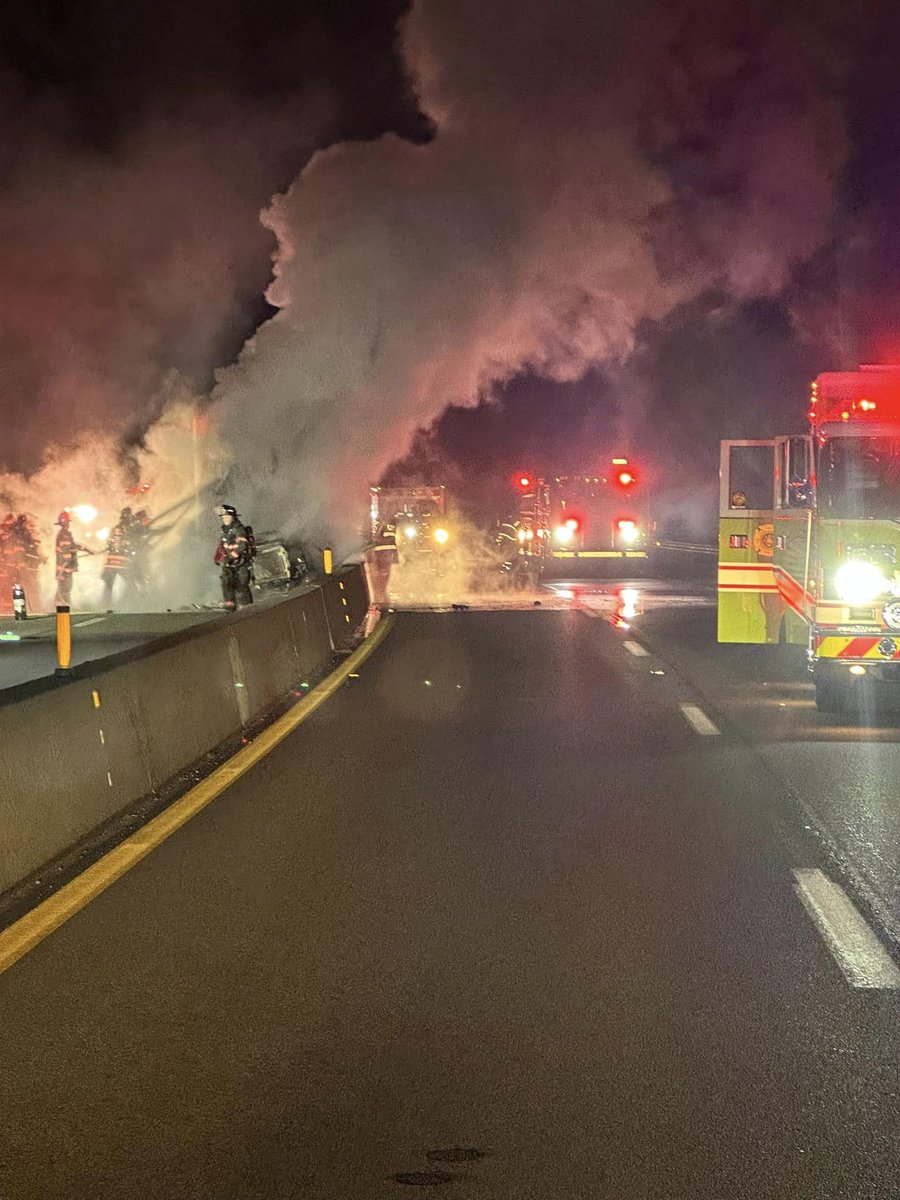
(168, 476)
(580, 179)
(593, 165)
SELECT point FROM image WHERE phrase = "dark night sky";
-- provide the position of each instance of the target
(95, 94)
(95, 81)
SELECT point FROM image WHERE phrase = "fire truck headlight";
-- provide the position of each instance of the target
(410, 532)
(628, 531)
(564, 533)
(859, 582)
(441, 536)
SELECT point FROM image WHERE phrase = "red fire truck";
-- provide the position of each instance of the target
(601, 515)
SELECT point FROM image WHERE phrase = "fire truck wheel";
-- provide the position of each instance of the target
(831, 693)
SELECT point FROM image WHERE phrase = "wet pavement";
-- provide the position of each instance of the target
(841, 772)
(521, 912)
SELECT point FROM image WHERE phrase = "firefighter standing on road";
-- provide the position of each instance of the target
(67, 551)
(32, 557)
(117, 554)
(22, 554)
(7, 556)
(234, 554)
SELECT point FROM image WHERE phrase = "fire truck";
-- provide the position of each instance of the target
(409, 520)
(597, 516)
(809, 536)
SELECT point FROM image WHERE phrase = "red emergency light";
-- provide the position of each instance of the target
(870, 395)
(524, 481)
(626, 478)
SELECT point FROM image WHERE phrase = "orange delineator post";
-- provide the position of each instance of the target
(63, 639)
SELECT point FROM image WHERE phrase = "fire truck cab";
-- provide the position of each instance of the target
(809, 536)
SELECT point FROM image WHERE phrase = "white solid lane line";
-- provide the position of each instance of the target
(863, 960)
(636, 649)
(698, 720)
(89, 621)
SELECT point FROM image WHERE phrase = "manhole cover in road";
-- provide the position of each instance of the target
(423, 1178)
(456, 1154)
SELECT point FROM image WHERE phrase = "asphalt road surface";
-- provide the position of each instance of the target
(518, 913)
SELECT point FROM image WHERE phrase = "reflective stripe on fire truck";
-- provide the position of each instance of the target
(599, 553)
(880, 647)
(792, 591)
(746, 577)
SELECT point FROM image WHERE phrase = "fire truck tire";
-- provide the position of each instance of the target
(831, 693)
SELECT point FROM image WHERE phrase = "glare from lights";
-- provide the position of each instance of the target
(626, 479)
(628, 531)
(84, 512)
(410, 531)
(859, 582)
(629, 598)
(857, 669)
(441, 536)
(564, 533)
(522, 535)
(572, 523)
(103, 533)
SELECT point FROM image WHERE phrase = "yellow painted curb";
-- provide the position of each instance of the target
(38, 924)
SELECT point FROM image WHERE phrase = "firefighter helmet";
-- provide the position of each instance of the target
(226, 510)
(63, 518)
(126, 514)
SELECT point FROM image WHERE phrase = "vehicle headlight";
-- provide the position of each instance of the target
(441, 536)
(628, 531)
(859, 582)
(410, 531)
(564, 533)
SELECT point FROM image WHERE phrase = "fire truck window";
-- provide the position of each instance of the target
(860, 477)
(796, 486)
(751, 476)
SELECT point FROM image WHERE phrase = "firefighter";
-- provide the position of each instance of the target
(117, 555)
(67, 551)
(139, 535)
(234, 554)
(32, 559)
(7, 565)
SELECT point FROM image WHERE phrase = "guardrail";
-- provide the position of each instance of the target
(76, 753)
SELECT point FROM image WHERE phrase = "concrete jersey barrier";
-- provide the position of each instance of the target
(75, 754)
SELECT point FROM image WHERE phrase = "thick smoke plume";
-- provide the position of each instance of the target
(118, 267)
(593, 165)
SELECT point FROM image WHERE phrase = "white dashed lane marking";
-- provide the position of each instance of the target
(698, 720)
(862, 959)
(636, 649)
